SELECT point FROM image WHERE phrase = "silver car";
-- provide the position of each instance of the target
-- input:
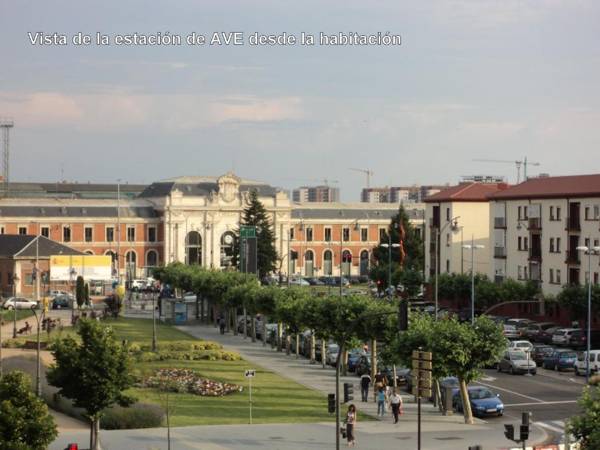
(19, 303)
(517, 361)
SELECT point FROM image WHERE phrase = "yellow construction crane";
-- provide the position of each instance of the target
(517, 163)
(367, 172)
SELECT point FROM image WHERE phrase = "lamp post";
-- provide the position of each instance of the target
(438, 232)
(15, 280)
(389, 246)
(590, 251)
(38, 380)
(473, 247)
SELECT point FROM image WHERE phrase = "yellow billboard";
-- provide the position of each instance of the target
(90, 267)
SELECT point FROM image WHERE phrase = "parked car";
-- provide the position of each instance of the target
(578, 339)
(520, 324)
(510, 331)
(61, 301)
(335, 281)
(562, 336)
(19, 303)
(560, 360)
(539, 352)
(314, 281)
(353, 358)
(545, 336)
(136, 285)
(484, 402)
(299, 282)
(533, 330)
(55, 292)
(517, 361)
(331, 354)
(581, 363)
(525, 346)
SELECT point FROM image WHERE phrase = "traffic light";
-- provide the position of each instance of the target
(331, 403)
(403, 315)
(509, 431)
(524, 429)
(348, 392)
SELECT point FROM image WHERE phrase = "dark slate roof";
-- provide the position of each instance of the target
(72, 190)
(164, 188)
(76, 211)
(23, 246)
(353, 214)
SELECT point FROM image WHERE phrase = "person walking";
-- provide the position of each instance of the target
(381, 402)
(222, 324)
(350, 425)
(380, 382)
(365, 381)
(396, 404)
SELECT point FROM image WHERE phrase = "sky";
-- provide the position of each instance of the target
(472, 79)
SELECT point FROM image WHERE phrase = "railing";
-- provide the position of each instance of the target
(499, 222)
(573, 223)
(535, 223)
(499, 252)
(535, 252)
(572, 257)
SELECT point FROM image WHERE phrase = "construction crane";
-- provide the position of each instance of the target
(6, 125)
(517, 163)
(367, 172)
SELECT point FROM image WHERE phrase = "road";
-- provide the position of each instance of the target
(550, 396)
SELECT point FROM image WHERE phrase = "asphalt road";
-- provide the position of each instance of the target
(550, 396)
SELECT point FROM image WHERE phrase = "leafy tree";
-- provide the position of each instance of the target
(86, 293)
(93, 373)
(411, 279)
(80, 291)
(575, 297)
(586, 426)
(25, 423)
(255, 214)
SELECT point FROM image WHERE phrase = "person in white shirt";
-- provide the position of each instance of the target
(396, 402)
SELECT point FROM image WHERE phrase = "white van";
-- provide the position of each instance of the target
(581, 364)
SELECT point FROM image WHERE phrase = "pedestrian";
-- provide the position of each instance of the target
(381, 402)
(396, 403)
(222, 324)
(380, 382)
(350, 424)
(365, 381)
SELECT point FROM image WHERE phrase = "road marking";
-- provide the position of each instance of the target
(559, 402)
(510, 392)
(488, 378)
(552, 427)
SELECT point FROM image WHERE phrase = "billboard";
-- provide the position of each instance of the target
(90, 267)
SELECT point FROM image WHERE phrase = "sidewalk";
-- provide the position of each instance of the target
(315, 377)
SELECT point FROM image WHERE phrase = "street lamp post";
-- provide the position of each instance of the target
(473, 247)
(438, 232)
(389, 246)
(15, 279)
(38, 380)
(589, 250)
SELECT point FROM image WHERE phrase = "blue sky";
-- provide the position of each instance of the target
(472, 79)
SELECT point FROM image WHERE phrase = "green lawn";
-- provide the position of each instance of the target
(275, 398)
(8, 316)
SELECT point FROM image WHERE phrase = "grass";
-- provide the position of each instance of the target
(275, 399)
(8, 315)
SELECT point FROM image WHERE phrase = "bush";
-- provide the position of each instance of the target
(184, 351)
(182, 346)
(139, 415)
(13, 343)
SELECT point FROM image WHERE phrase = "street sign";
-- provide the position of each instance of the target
(250, 373)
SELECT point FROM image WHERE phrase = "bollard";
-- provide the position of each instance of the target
(448, 401)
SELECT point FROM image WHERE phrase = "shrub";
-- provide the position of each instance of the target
(13, 343)
(139, 415)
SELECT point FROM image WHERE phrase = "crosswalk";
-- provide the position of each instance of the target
(556, 426)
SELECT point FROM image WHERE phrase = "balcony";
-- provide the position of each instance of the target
(499, 222)
(535, 253)
(434, 222)
(572, 257)
(534, 223)
(499, 252)
(573, 223)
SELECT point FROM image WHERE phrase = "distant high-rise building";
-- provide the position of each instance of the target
(399, 194)
(321, 194)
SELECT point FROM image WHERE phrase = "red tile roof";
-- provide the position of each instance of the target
(467, 192)
(553, 187)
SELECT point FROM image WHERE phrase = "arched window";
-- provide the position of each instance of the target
(227, 243)
(309, 263)
(113, 257)
(131, 264)
(328, 263)
(346, 263)
(193, 248)
(89, 252)
(364, 263)
(152, 258)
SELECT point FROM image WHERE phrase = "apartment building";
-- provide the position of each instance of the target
(318, 194)
(535, 228)
(455, 217)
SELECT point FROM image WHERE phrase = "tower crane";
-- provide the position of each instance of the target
(517, 163)
(367, 172)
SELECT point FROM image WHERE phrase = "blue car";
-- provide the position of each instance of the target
(483, 402)
(353, 358)
(560, 360)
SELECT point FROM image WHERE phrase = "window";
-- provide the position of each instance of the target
(595, 277)
(447, 214)
(364, 234)
(10, 278)
(447, 266)
(551, 251)
(66, 234)
(131, 234)
(45, 231)
(525, 273)
(596, 212)
(88, 234)
(587, 242)
(309, 234)
(551, 276)
(151, 234)
(22, 230)
(525, 243)
(557, 245)
(586, 213)
(346, 234)
(110, 234)
(558, 213)
(291, 232)
(382, 235)
(447, 239)
(552, 213)
(327, 234)
(520, 272)
(519, 243)
(519, 213)
(596, 242)
(29, 279)
(1, 230)
(557, 276)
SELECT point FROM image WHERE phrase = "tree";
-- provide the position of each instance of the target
(586, 426)
(86, 293)
(80, 291)
(25, 422)
(575, 297)
(93, 373)
(255, 214)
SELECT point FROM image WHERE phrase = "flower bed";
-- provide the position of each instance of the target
(187, 381)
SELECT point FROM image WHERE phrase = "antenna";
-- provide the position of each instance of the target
(6, 125)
